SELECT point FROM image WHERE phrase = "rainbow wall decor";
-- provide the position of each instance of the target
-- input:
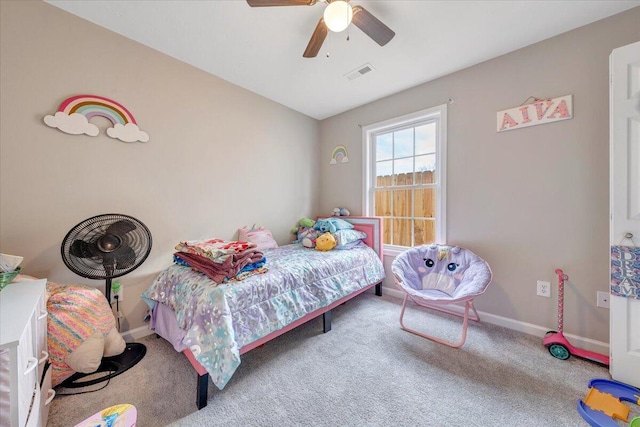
(339, 155)
(74, 114)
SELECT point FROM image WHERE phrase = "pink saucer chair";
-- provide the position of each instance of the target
(436, 276)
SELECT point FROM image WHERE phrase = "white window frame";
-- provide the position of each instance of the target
(437, 114)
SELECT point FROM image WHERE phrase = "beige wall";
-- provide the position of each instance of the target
(530, 200)
(219, 157)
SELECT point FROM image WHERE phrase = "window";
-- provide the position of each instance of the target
(405, 177)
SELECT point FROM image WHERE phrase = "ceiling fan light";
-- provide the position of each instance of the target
(338, 15)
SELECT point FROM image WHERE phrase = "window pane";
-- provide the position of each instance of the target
(424, 231)
(425, 203)
(402, 232)
(386, 231)
(426, 139)
(402, 170)
(383, 203)
(427, 177)
(384, 146)
(383, 174)
(403, 143)
(401, 203)
(425, 165)
(403, 179)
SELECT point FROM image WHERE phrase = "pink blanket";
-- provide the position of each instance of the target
(219, 271)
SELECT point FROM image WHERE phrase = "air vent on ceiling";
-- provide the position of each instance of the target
(360, 71)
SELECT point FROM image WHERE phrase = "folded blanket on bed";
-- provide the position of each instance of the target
(219, 272)
(217, 250)
(246, 269)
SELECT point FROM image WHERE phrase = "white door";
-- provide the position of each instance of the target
(625, 206)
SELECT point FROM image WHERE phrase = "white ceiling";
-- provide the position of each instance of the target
(261, 49)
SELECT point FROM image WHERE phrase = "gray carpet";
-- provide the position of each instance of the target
(365, 372)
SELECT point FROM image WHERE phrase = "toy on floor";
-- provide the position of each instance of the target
(123, 415)
(603, 403)
(558, 345)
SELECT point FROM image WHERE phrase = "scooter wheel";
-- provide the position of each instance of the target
(550, 332)
(559, 351)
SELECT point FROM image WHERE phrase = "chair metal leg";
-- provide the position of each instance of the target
(468, 305)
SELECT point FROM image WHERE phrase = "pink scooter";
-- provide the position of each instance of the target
(555, 341)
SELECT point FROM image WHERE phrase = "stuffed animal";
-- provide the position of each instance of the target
(81, 330)
(340, 212)
(307, 236)
(332, 225)
(309, 242)
(305, 233)
(307, 222)
(325, 242)
(304, 222)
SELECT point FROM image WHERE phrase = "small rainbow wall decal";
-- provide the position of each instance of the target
(92, 105)
(74, 114)
(339, 155)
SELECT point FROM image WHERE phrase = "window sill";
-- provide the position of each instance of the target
(394, 251)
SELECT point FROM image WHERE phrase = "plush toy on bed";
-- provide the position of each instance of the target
(341, 212)
(305, 233)
(310, 242)
(303, 223)
(332, 225)
(326, 242)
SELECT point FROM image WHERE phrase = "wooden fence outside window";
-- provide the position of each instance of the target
(394, 201)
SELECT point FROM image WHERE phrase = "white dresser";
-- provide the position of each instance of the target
(25, 381)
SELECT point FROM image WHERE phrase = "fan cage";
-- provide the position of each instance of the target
(94, 228)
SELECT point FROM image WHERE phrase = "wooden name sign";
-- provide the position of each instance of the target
(539, 112)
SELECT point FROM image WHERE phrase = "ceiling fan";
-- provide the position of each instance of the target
(337, 16)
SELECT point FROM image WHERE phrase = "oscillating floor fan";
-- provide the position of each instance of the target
(105, 247)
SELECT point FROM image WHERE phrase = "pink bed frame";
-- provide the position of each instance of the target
(370, 225)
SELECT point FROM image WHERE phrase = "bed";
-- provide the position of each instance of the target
(213, 325)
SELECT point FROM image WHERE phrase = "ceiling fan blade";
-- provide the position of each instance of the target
(266, 3)
(121, 227)
(317, 38)
(372, 26)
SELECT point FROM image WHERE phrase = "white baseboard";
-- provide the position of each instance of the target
(517, 325)
(136, 334)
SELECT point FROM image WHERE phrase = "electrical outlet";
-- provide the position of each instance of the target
(116, 289)
(544, 289)
(602, 299)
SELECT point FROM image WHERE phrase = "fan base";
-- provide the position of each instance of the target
(110, 366)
